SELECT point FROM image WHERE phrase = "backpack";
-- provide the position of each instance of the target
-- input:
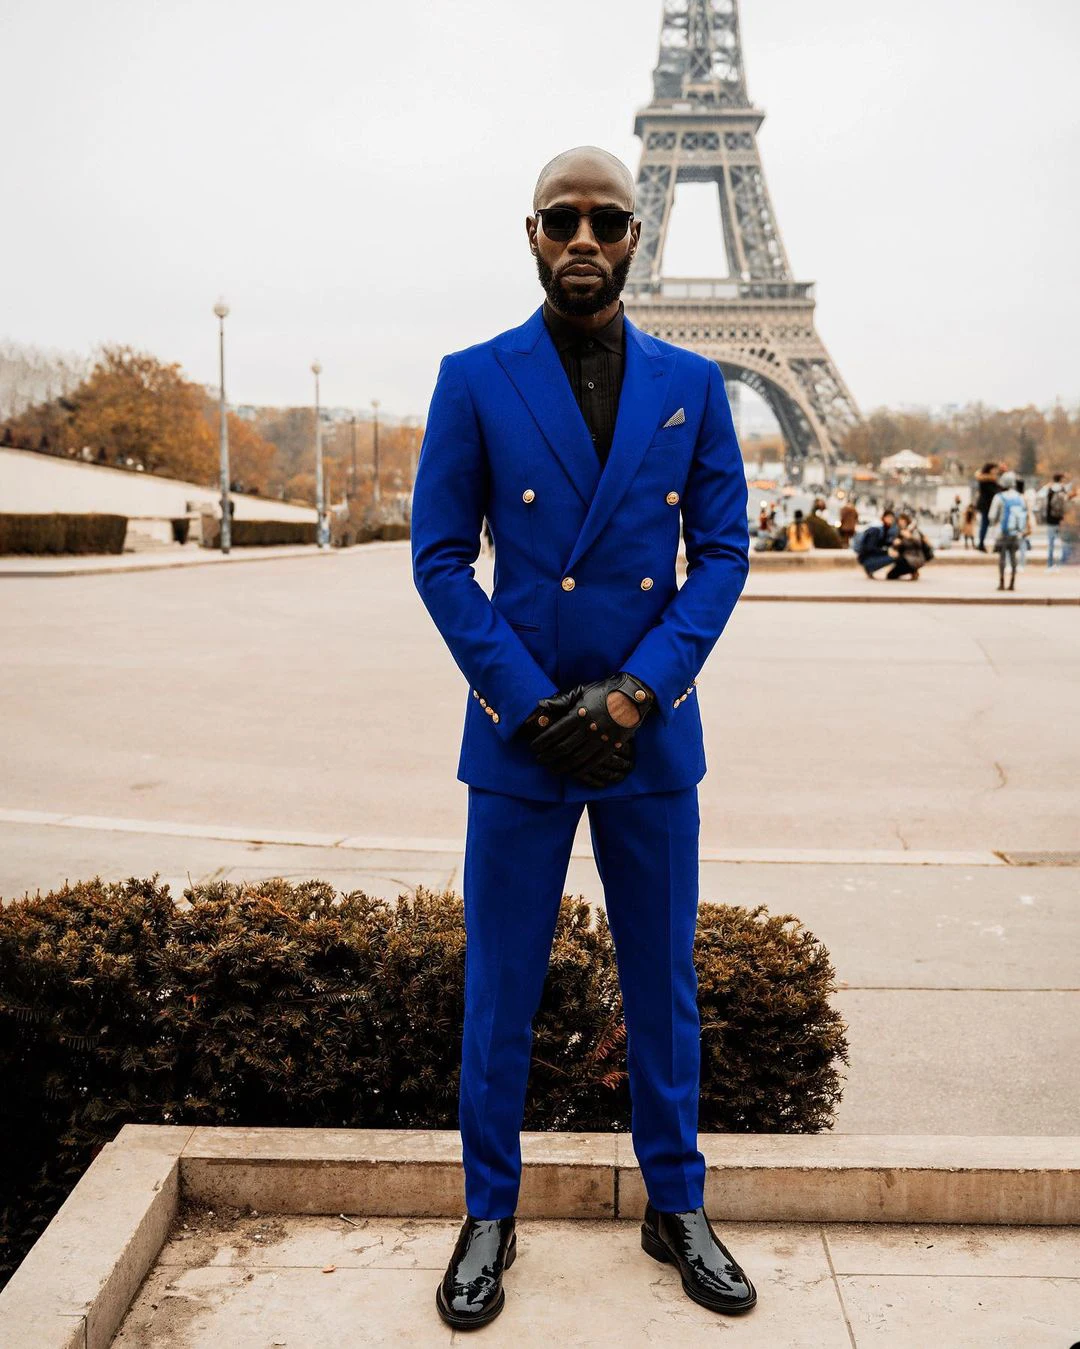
(1013, 517)
(1055, 505)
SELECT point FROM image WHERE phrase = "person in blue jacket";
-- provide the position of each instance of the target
(583, 442)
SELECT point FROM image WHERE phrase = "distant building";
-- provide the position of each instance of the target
(905, 461)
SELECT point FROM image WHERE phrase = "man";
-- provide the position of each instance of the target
(580, 438)
(910, 548)
(1008, 511)
(1053, 506)
(875, 543)
(987, 487)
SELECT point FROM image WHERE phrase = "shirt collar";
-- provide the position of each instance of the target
(566, 336)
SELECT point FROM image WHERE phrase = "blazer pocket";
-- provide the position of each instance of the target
(524, 627)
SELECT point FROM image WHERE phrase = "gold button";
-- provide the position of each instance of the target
(646, 583)
(495, 716)
(568, 583)
(672, 498)
(528, 495)
(640, 695)
(475, 694)
(543, 721)
(483, 702)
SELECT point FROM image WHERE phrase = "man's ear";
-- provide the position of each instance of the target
(530, 230)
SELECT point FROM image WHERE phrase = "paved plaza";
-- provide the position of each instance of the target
(868, 767)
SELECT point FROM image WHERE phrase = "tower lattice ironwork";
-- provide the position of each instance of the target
(756, 322)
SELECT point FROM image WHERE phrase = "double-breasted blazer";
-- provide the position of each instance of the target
(585, 555)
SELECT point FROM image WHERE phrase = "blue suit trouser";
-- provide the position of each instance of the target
(516, 856)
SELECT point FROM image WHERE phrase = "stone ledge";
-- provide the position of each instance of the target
(75, 1285)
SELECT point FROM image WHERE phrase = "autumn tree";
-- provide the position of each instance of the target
(252, 458)
(135, 406)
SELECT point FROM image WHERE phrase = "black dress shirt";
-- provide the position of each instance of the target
(594, 366)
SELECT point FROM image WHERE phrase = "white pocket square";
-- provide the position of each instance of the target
(676, 419)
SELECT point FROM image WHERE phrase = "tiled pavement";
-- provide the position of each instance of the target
(252, 1282)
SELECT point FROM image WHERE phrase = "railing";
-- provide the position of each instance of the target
(706, 288)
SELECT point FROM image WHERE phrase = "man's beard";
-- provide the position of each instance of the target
(579, 306)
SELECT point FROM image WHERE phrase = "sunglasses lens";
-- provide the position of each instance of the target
(610, 226)
(559, 225)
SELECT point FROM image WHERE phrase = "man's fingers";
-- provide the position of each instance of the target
(548, 746)
(557, 732)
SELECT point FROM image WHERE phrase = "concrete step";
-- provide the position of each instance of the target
(78, 1282)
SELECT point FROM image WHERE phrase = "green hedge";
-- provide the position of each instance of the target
(275, 1004)
(57, 533)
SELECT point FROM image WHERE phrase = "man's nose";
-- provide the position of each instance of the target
(584, 241)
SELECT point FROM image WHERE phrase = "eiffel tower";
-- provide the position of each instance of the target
(756, 322)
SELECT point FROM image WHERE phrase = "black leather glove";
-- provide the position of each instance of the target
(545, 712)
(618, 765)
(604, 772)
(582, 738)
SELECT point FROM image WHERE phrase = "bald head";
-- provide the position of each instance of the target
(585, 163)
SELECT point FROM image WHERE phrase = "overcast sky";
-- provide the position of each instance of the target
(354, 176)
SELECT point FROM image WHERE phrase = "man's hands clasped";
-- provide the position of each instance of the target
(588, 731)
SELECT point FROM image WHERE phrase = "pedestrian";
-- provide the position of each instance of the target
(799, 538)
(875, 542)
(822, 534)
(1009, 512)
(988, 488)
(1052, 499)
(910, 548)
(849, 522)
(1025, 540)
(967, 527)
(956, 511)
(582, 666)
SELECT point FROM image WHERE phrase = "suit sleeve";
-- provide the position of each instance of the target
(670, 655)
(450, 497)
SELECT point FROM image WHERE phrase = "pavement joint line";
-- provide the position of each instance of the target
(380, 843)
(1050, 601)
(949, 988)
(836, 1286)
(177, 564)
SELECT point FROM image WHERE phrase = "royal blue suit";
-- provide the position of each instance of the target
(585, 586)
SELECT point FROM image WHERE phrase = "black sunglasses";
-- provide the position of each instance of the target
(609, 224)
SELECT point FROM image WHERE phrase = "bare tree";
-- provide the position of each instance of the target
(32, 375)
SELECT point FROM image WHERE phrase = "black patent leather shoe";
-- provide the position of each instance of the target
(710, 1273)
(471, 1293)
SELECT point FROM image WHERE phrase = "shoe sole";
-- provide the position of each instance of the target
(651, 1245)
(485, 1317)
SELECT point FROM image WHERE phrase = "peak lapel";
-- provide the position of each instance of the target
(646, 376)
(534, 368)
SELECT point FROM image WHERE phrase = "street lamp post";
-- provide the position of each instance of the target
(320, 509)
(221, 309)
(376, 493)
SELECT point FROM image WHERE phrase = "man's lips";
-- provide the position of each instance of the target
(580, 269)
